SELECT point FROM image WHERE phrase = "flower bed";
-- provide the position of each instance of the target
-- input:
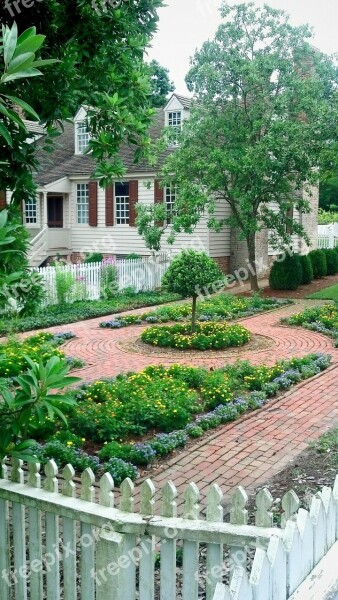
(38, 347)
(223, 307)
(323, 319)
(139, 417)
(207, 336)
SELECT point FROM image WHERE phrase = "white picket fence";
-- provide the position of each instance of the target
(144, 274)
(328, 236)
(62, 539)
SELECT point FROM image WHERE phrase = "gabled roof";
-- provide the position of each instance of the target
(63, 162)
(185, 101)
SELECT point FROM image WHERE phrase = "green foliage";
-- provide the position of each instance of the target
(20, 289)
(307, 270)
(64, 453)
(101, 49)
(133, 256)
(323, 319)
(138, 454)
(327, 217)
(331, 261)
(207, 336)
(79, 311)
(286, 274)
(319, 265)
(13, 354)
(189, 273)
(232, 149)
(119, 470)
(329, 293)
(109, 279)
(28, 400)
(160, 83)
(94, 257)
(64, 282)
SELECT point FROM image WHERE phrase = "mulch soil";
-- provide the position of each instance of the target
(301, 292)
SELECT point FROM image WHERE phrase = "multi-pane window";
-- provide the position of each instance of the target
(83, 137)
(170, 198)
(175, 123)
(31, 211)
(122, 203)
(82, 203)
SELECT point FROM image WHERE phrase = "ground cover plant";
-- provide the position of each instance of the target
(222, 307)
(206, 336)
(87, 309)
(323, 319)
(14, 353)
(117, 425)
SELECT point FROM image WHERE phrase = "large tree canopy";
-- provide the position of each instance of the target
(100, 45)
(160, 83)
(265, 106)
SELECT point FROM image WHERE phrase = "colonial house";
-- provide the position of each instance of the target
(72, 215)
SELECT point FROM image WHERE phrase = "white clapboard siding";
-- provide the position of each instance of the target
(143, 274)
(89, 549)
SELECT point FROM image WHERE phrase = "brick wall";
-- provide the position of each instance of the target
(223, 262)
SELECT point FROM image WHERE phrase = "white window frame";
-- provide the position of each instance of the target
(175, 123)
(170, 195)
(31, 212)
(121, 205)
(82, 137)
(82, 203)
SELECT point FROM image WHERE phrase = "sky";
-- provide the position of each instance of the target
(185, 24)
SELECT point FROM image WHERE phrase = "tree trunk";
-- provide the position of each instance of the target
(193, 317)
(251, 243)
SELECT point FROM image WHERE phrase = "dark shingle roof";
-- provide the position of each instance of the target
(184, 100)
(63, 161)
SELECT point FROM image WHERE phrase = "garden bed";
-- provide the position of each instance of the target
(129, 422)
(87, 309)
(38, 347)
(302, 292)
(323, 319)
(223, 307)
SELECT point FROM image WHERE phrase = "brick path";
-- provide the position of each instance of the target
(252, 449)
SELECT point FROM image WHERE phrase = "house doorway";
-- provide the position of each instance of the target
(55, 211)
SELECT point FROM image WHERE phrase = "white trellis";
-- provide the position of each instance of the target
(143, 274)
(65, 540)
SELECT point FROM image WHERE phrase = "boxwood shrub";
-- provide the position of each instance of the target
(286, 274)
(331, 261)
(319, 264)
(307, 270)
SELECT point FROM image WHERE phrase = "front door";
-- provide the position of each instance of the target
(55, 211)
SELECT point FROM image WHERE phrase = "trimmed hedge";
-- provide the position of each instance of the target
(319, 264)
(331, 261)
(287, 274)
(307, 270)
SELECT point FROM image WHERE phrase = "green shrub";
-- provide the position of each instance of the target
(64, 281)
(331, 261)
(38, 347)
(307, 270)
(206, 336)
(286, 274)
(319, 266)
(119, 470)
(133, 256)
(138, 454)
(94, 257)
(109, 279)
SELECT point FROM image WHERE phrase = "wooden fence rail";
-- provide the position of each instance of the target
(65, 540)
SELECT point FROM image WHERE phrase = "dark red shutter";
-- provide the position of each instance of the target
(158, 198)
(133, 199)
(92, 188)
(3, 203)
(110, 205)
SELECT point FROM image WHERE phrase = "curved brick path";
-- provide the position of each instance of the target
(254, 448)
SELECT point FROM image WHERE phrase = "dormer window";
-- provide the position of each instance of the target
(82, 137)
(175, 123)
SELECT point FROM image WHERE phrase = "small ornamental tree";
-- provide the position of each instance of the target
(188, 273)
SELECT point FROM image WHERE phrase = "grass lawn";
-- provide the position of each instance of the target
(329, 293)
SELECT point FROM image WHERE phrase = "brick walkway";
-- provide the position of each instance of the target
(254, 448)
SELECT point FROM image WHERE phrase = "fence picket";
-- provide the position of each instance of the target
(214, 551)
(318, 518)
(87, 561)
(260, 576)
(329, 507)
(69, 536)
(52, 537)
(143, 274)
(238, 516)
(191, 549)
(147, 560)
(240, 589)
(5, 581)
(277, 557)
(168, 545)
(34, 535)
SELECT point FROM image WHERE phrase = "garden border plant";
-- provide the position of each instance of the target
(323, 319)
(206, 336)
(203, 400)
